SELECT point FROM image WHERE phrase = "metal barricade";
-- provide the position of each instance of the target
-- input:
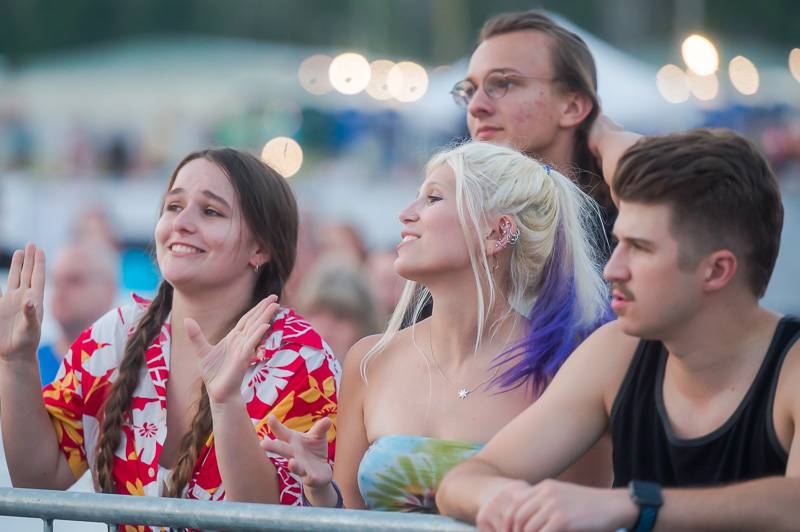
(49, 505)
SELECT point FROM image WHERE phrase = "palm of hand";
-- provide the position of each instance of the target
(224, 364)
(16, 334)
(21, 305)
(311, 456)
(307, 452)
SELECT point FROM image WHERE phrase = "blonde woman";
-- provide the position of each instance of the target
(501, 243)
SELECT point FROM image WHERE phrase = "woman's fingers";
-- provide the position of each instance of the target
(278, 447)
(279, 430)
(37, 280)
(27, 266)
(254, 315)
(245, 354)
(14, 270)
(320, 428)
(249, 317)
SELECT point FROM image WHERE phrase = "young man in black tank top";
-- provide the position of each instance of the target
(695, 381)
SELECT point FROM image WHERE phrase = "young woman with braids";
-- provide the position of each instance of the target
(494, 237)
(170, 397)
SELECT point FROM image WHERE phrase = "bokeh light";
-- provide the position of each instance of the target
(744, 75)
(703, 87)
(700, 55)
(284, 155)
(313, 74)
(794, 63)
(407, 81)
(673, 84)
(349, 73)
(378, 86)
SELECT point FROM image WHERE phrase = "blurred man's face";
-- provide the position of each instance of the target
(81, 292)
(526, 117)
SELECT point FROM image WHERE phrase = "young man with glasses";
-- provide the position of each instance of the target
(532, 84)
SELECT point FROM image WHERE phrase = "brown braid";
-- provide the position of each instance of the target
(116, 407)
(191, 444)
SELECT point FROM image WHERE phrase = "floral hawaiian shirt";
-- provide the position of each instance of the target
(294, 376)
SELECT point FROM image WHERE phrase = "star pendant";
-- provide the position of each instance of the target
(463, 393)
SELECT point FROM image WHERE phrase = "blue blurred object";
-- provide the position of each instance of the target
(49, 362)
(139, 272)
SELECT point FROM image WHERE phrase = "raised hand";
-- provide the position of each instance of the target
(223, 365)
(307, 452)
(21, 306)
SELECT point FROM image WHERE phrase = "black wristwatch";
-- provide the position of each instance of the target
(647, 496)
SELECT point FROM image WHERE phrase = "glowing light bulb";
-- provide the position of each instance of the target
(744, 75)
(704, 87)
(313, 74)
(349, 73)
(407, 81)
(378, 86)
(284, 155)
(700, 55)
(673, 84)
(794, 63)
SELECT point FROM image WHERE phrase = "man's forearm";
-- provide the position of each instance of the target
(765, 504)
(464, 488)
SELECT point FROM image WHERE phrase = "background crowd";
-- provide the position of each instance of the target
(80, 176)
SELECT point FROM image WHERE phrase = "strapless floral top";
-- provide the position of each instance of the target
(401, 473)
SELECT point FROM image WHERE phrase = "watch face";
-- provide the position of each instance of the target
(645, 493)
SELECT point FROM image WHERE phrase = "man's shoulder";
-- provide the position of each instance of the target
(791, 348)
(610, 342)
(602, 360)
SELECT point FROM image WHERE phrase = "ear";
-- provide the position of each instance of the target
(718, 269)
(575, 107)
(497, 239)
(259, 258)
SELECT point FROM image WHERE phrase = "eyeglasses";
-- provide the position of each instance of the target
(495, 85)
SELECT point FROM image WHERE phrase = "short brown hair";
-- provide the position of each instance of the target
(721, 191)
(574, 68)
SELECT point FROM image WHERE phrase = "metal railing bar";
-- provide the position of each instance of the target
(181, 513)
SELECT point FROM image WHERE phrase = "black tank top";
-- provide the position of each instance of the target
(743, 448)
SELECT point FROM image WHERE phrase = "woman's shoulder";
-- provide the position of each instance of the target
(363, 354)
(101, 346)
(119, 320)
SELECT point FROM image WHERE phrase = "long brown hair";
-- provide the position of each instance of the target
(574, 69)
(269, 209)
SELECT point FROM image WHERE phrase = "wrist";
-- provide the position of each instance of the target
(327, 495)
(224, 405)
(648, 498)
(20, 363)
(626, 512)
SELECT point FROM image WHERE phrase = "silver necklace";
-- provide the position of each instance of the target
(462, 392)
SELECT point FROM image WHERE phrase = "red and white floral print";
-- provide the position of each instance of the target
(293, 376)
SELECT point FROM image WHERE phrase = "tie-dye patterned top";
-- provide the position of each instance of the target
(293, 376)
(401, 473)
